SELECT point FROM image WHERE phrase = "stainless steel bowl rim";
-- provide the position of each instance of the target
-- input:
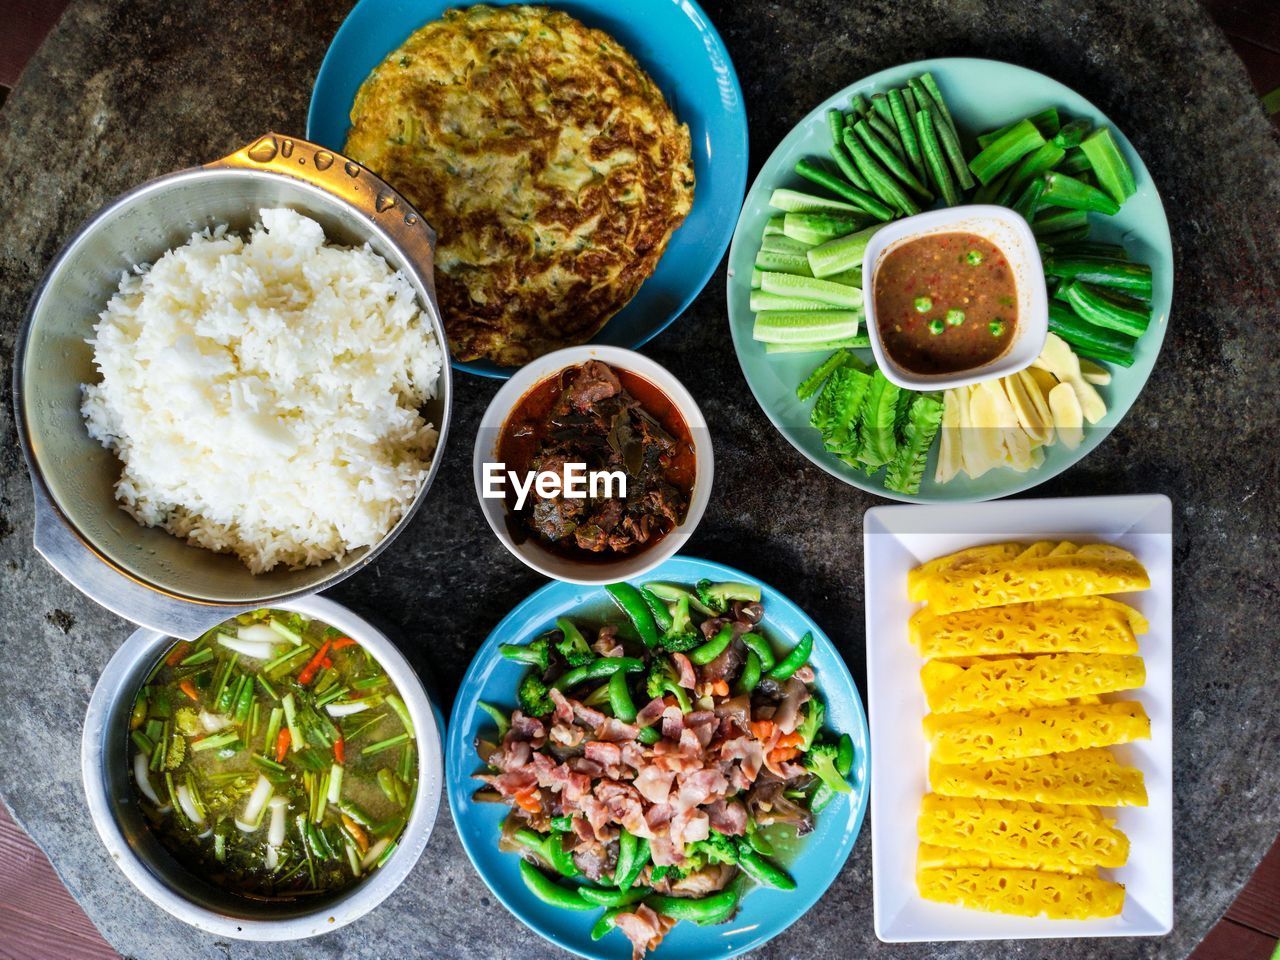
(145, 646)
(125, 591)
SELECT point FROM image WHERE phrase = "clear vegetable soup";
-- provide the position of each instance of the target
(945, 302)
(274, 757)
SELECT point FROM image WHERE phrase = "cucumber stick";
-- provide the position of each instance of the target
(824, 291)
(816, 228)
(805, 326)
(855, 342)
(760, 300)
(797, 263)
(841, 254)
(795, 201)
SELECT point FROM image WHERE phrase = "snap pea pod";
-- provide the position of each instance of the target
(1104, 308)
(661, 615)
(1064, 191)
(685, 908)
(632, 604)
(892, 161)
(757, 840)
(598, 670)
(624, 708)
(714, 647)
(624, 880)
(560, 858)
(612, 896)
(626, 857)
(794, 660)
(762, 871)
(606, 922)
(550, 892)
(844, 755)
(881, 181)
(750, 675)
(939, 171)
(859, 198)
(758, 645)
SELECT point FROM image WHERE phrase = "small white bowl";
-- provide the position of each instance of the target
(1007, 231)
(531, 552)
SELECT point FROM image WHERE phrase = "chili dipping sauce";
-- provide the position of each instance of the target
(945, 302)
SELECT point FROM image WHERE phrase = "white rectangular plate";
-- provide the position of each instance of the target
(899, 538)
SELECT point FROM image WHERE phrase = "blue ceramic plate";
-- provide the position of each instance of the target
(677, 45)
(765, 912)
(982, 95)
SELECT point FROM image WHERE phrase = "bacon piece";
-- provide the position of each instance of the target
(615, 731)
(588, 717)
(644, 928)
(654, 784)
(728, 817)
(566, 734)
(688, 826)
(699, 787)
(748, 751)
(525, 728)
(564, 707)
(704, 724)
(606, 643)
(604, 753)
(684, 666)
(651, 712)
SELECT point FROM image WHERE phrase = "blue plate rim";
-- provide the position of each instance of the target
(723, 237)
(1095, 436)
(457, 781)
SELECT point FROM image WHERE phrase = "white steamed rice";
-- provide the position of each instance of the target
(263, 393)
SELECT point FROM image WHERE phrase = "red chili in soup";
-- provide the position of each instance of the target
(945, 302)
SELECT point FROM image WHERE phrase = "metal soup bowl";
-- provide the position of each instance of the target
(106, 753)
(146, 574)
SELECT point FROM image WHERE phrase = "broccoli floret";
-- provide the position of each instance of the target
(573, 645)
(813, 718)
(666, 870)
(177, 751)
(663, 679)
(716, 596)
(682, 634)
(821, 762)
(535, 697)
(717, 848)
(680, 642)
(536, 653)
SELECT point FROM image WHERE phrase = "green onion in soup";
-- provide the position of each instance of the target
(274, 756)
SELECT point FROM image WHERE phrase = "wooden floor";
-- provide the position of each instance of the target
(39, 919)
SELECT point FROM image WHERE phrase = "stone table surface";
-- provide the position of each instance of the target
(124, 90)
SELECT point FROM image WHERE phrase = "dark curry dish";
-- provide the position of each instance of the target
(610, 420)
(547, 160)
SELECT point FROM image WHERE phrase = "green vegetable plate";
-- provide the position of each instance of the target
(982, 95)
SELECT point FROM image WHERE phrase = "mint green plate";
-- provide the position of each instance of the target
(982, 95)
